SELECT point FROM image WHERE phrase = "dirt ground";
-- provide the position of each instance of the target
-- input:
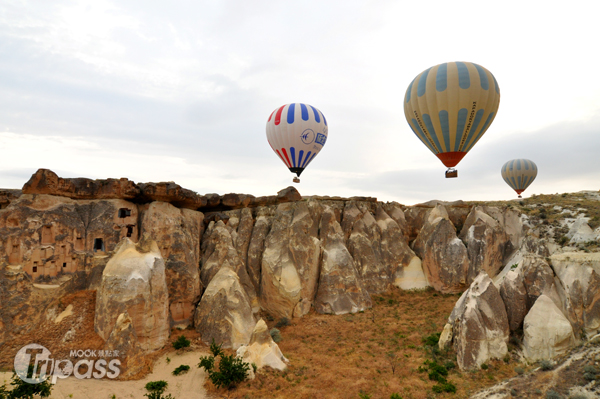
(184, 386)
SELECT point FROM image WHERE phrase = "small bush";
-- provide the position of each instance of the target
(449, 365)
(275, 334)
(232, 370)
(519, 370)
(284, 321)
(157, 386)
(484, 366)
(184, 368)
(25, 390)
(364, 395)
(432, 340)
(551, 394)
(589, 376)
(182, 342)
(156, 389)
(395, 396)
(546, 365)
(444, 387)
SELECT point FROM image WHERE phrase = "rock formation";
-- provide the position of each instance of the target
(480, 324)
(262, 350)
(546, 331)
(134, 282)
(224, 314)
(214, 261)
(444, 256)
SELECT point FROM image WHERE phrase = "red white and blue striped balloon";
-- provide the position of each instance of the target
(297, 132)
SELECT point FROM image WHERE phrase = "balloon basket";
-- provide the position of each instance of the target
(451, 172)
(520, 196)
(296, 180)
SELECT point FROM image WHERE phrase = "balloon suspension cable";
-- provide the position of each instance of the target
(451, 172)
(296, 180)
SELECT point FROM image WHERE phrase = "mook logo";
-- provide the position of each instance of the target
(33, 364)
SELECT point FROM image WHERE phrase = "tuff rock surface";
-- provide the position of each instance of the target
(134, 282)
(262, 350)
(224, 312)
(227, 257)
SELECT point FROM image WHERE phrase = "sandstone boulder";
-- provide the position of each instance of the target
(177, 233)
(262, 350)
(579, 274)
(134, 282)
(340, 287)
(219, 251)
(289, 194)
(45, 181)
(486, 243)
(480, 325)
(546, 331)
(262, 226)
(172, 193)
(538, 278)
(305, 252)
(123, 344)
(225, 312)
(444, 257)
(514, 295)
(280, 284)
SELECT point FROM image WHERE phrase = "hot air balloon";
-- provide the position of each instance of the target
(297, 132)
(519, 173)
(449, 107)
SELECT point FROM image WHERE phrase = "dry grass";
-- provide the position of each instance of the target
(346, 356)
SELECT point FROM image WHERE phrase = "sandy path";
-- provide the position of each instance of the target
(185, 386)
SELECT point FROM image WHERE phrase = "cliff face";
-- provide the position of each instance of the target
(288, 254)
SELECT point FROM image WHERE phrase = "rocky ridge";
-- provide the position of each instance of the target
(285, 255)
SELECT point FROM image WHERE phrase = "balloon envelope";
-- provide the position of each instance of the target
(450, 106)
(519, 174)
(297, 132)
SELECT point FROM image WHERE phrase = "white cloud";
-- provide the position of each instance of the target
(181, 91)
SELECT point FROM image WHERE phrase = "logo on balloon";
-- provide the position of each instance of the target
(308, 136)
(321, 138)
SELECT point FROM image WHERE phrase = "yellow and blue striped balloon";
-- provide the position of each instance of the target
(450, 106)
(519, 174)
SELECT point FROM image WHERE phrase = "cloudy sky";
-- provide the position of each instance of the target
(181, 91)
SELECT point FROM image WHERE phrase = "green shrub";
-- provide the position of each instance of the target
(156, 389)
(364, 395)
(484, 366)
(276, 335)
(25, 390)
(432, 340)
(519, 370)
(589, 376)
(444, 387)
(395, 396)
(284, 321)
(181, 369)
(590, 369)
(550, 394)
(182, 342)
(449, 365)
(546, 365)
(232, 370)
(157, 386)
